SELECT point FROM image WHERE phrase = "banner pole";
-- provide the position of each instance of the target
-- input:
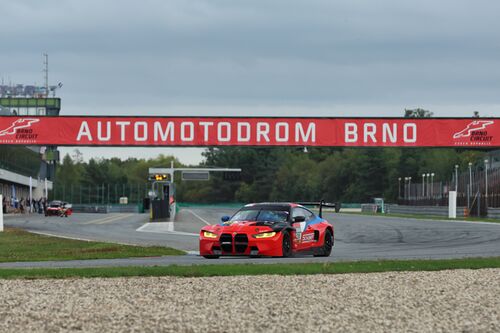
(1, 213)
(31, 195)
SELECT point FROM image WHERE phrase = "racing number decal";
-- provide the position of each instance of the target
(299, 229)
(308, 237)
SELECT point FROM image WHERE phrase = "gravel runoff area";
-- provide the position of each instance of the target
(444, 301)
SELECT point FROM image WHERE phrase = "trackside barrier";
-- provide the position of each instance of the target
(423, 210)
(369, 208)
(104, 209)
(1, 213)
(494, 213)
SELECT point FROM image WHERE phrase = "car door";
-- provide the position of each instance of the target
(304, 233)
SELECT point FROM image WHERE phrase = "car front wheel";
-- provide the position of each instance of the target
(287, 244)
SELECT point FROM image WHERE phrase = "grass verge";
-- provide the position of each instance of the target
(20, 245)
(426, 217)
(255, 269)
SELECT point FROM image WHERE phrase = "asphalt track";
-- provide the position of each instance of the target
(357, 237)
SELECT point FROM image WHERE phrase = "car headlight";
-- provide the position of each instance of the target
(209, 234)
(265, 235)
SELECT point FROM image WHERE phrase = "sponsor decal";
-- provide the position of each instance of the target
(19, 131)
(475, 134)
(307, 238)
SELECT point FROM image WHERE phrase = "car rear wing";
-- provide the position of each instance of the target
(322, 204)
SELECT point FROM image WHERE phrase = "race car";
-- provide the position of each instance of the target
(269, 229)
(59, 208)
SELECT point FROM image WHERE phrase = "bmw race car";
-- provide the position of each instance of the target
(269, 229)
(59, 208)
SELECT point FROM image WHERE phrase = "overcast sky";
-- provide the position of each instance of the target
(260, 57)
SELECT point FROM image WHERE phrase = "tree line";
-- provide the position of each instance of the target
(280, 174)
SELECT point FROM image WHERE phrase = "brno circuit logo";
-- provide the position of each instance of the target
(475, 133)
(18, 124)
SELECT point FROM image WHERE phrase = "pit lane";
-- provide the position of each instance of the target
(357, 237)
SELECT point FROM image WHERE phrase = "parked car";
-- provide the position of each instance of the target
(59, 208)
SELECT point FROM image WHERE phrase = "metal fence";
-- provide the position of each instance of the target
(100, 194)
(477, 189)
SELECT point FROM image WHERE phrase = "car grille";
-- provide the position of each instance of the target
(240, 243)
(226, 242)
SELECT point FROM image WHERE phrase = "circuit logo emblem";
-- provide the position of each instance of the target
(476, 125)
(17, 125)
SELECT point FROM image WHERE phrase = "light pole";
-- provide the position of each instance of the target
(399, 188)
(486, 181)
(427, 184)
(469, 192)
(456, 178)
(405, 188)
(423, 185)
(432, 184)
(409, 187)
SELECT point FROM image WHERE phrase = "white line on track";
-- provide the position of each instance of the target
(199, 217)
(59, 236)
(80, 239)
(108, 219)
(163, 228)
(423, 219)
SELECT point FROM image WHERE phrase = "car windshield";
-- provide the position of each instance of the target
(261, 215)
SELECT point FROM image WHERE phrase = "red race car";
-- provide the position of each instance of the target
(269, 229)
(59, 208)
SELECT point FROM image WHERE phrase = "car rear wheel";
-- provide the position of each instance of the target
(287, 244)
(211, 257)
(326, 249)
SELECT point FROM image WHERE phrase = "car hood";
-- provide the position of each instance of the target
(247, 226)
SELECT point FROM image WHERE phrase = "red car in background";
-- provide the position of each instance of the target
(269, 229)
(59, 208)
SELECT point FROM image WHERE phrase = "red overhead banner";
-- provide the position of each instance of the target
(262, 131)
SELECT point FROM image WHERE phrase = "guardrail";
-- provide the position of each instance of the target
(423, 210)
(494, 213)
(104, 209)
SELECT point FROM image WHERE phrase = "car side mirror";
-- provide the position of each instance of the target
(299, 219)
(225, 218)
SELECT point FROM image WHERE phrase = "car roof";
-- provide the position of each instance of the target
(273, 204)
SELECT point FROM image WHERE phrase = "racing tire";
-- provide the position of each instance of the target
(211, 257)
(326, 249)
(286, 244)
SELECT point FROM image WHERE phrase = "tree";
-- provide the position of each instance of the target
(418, 113)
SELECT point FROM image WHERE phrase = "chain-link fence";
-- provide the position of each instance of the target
(100, 194)
(477, 188)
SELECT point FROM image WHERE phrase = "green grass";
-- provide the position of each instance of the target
(255, 269)
(426, 217)
(20, 245)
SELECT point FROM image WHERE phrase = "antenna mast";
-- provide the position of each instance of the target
(46, 73)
